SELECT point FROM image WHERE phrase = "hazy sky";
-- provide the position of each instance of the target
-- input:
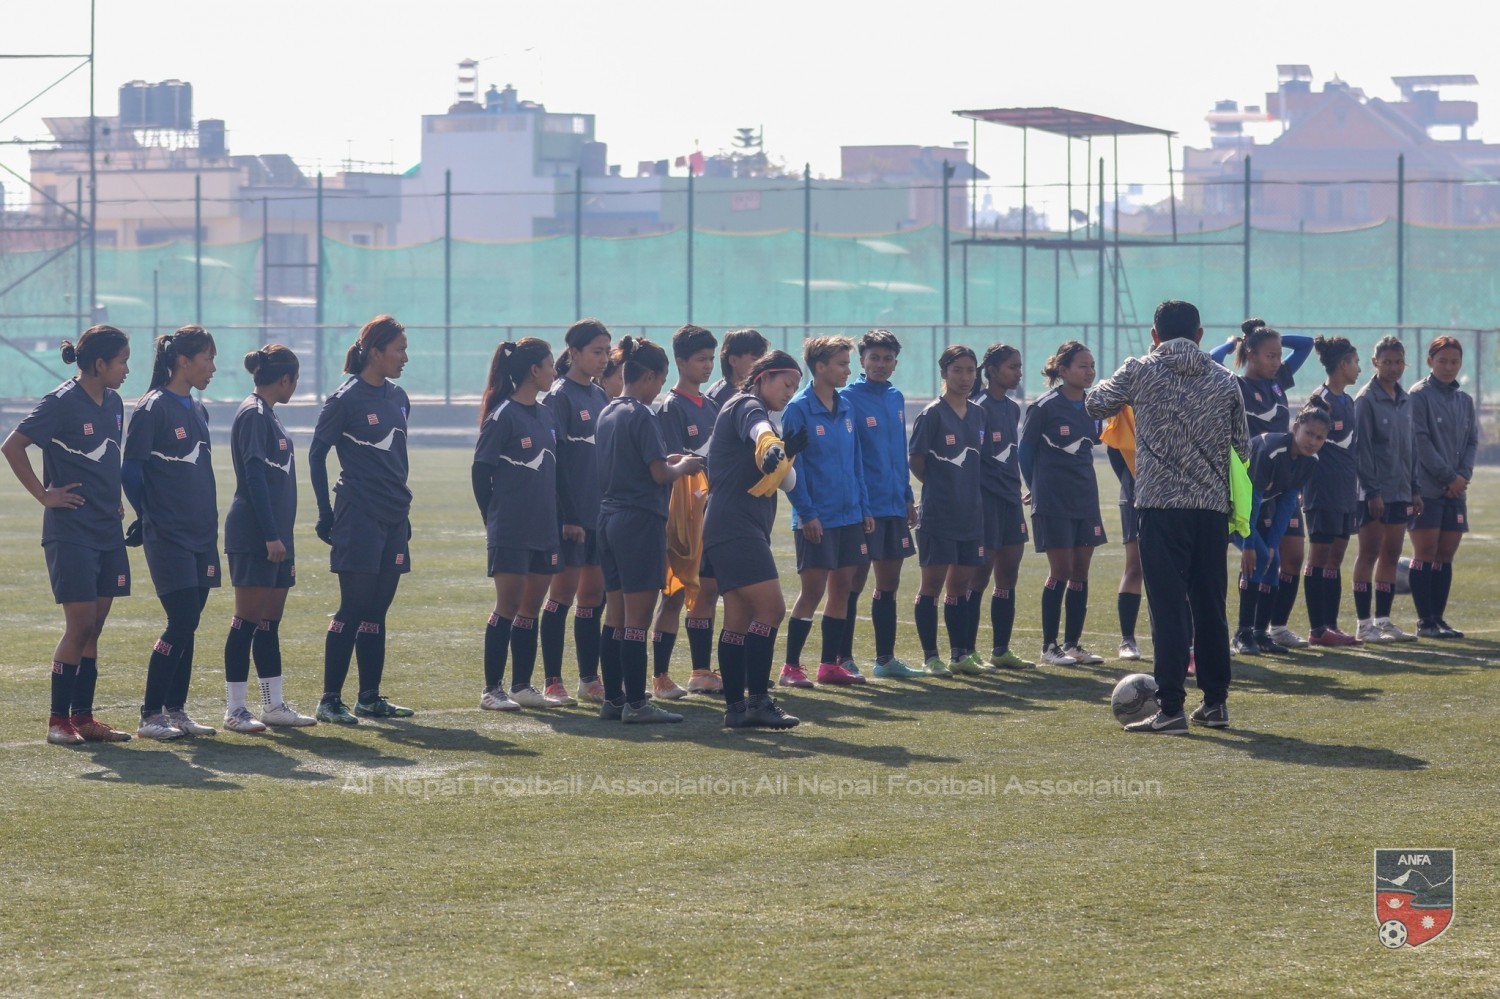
(326, 79)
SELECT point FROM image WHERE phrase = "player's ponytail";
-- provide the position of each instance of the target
(271, 363)
(1332, 351)
(996, 355)
(376, 335)
(1053, 369)
(1313, 414)
(98, 343)
(511, 366)
(639, 357)
(187, 342)
(1253, 333)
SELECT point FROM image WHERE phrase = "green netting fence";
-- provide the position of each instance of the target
(1298, 281)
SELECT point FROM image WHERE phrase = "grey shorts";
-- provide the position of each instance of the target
(737, 564)
(363, 544)
(176, 568)
(524, 561)
(81, 574)
(633, 550)
(254, 569)
(840, 548)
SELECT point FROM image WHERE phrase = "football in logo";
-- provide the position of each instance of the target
(1413, 896)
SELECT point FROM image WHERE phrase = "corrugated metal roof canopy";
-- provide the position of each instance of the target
(1061, 121)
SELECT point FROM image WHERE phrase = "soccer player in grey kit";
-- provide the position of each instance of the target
(74, 426)
(514, 476)
(258, 540)
(169, 479)
(368, 528)
(636, 474)
(576, 402)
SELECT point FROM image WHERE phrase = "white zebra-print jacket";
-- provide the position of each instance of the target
(1188, 414)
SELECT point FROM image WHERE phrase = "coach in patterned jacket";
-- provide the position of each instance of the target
(1188, 414)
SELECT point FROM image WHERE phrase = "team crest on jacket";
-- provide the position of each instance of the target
(1413, 896)
(88, 430)
(583, 414)
(526, 443)
(821, 432)
(950, 440)
(870, 421)
(180, 432)
(848, 425)
(373, 418)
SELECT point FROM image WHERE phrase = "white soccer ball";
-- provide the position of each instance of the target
(1134, 698)
(1403, 575)
(1393, 933)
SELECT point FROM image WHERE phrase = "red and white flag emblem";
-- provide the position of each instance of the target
(281, 443)
(213, 571)
(692, 430)
(1098, 530)
(372, 418)
(181, 433)
(88, 430)
(400, 558)
(526, 443)
(848, 424)
(950, 440)
(584, 414)
(121, 581)
(995, 437)
(1338, 425)
(870, 421)
(1065, 431)
(821, 431)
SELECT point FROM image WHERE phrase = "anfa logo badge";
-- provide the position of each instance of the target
(88, 430)
(281, 443)
(400, 558)
(526, 443)
(822, 431)
(180, 433)
(848, 425)
(585, 415)
(1413, 896)
(950, 440)
(1065, 430)
(692, 430)
(373, 419)
(995, 436)
(870, 421)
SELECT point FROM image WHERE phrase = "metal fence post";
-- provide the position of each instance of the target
(448, 286)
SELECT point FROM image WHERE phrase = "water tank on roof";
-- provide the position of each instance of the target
(133, 98)
(211, 144)
(593, 159)
(170, 105)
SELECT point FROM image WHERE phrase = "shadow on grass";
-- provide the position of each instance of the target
(255, 759)
(165, 768)
(1289, 749)
(406, 732)
(1288, 677)
(703, 725)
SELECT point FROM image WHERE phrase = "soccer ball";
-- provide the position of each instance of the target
(1403, 575)
(1134, 698)
(1393, 933)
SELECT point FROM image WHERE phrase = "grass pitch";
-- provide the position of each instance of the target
(909, 838)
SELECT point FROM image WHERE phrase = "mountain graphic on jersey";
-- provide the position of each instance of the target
(1072, 448)
(384, 444)
(534, 464)
(1003, 455)
(1413, 895)
(191, 457)
(95, 455)
(959, 461)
